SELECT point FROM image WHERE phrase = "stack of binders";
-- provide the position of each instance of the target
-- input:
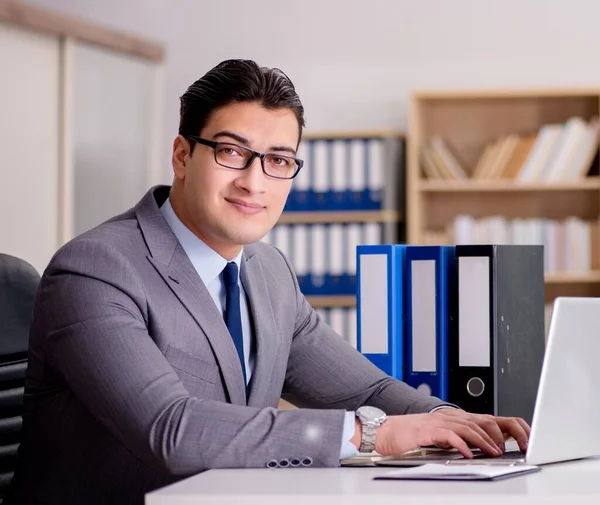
(463, 323)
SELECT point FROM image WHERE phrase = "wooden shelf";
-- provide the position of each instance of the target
(375, 216)
(554, 279)
(470, 122)
(507, 186)
(357, 134)
(483, 93)
(285, 405)
(573, 278)
(332, 301)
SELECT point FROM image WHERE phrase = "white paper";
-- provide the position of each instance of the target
(435, 471)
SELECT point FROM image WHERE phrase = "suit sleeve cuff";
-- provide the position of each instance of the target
(348, 449)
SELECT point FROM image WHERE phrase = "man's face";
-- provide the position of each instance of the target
(229, 208)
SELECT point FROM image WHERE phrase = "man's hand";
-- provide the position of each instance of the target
(498, 428)
(450, 428)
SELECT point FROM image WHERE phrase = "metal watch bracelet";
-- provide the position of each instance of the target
(369, 433)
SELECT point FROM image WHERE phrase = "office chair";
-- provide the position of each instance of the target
(18, 286)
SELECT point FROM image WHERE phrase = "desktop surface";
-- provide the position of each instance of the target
(576, 482)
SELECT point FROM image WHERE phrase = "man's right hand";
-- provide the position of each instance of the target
(400, 434)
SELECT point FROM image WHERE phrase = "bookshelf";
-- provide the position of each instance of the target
(349, 216)
(350, 191)
(339, 310)
(509, 166)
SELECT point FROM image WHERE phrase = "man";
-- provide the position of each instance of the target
(164, 338)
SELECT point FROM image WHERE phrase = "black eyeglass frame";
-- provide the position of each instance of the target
(253, 154)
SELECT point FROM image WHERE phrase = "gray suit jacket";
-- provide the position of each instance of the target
(134, 381)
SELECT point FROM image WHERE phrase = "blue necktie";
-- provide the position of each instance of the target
(233, 317)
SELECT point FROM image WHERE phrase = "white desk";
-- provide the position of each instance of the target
(573, 483)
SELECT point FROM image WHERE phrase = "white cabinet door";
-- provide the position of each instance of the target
(112, 131)
(29, 145)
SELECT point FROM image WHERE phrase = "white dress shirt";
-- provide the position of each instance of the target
(209, 265)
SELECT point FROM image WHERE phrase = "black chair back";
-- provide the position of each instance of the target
(18, 285)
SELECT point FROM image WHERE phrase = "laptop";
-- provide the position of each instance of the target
(566, 418)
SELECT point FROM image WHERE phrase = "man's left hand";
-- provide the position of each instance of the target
(498, 428)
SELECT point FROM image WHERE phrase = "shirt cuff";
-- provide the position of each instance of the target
(348, 449)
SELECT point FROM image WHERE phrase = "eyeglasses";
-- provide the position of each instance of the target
(239, 157)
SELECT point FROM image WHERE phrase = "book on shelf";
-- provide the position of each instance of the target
(556, 152)
(571, 245)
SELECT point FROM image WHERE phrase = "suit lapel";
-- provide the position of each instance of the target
(264, 327)
(185, 283)
(169, 259)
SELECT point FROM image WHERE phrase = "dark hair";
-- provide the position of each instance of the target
(234, 81)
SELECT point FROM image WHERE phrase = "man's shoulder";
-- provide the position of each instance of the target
(118, 236)
(121, 233)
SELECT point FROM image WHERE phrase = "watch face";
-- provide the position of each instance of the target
(371, 413)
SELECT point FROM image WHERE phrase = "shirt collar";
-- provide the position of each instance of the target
(208, 263)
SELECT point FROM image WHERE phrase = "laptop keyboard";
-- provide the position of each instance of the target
(510, 455)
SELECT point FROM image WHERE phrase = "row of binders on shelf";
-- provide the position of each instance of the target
(464, 323)
(556, 152)
(571, 245)
(348, 174)
(342, 320)
(324, 254)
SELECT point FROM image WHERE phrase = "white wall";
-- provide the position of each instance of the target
(354, 62)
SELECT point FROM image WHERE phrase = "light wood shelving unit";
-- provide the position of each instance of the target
(351, 134)
(350, 216)
(501, 186)
(332, 301)
(392, 217)
(468, 120)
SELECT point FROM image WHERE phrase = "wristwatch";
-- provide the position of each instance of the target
(371, 418)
